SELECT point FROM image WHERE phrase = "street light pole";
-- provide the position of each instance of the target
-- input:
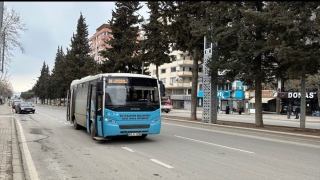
(1, 19)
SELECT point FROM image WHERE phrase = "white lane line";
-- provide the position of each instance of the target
(128, 149)
(215, 144)
(161, 163)
(66, 123)
(60, 121)
(32, 169)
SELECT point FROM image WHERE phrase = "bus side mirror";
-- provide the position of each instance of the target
(162, 90)
(99, 86)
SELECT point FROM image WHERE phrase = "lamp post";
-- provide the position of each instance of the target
(142, 66)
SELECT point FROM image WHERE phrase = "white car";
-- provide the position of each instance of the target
(165, 108)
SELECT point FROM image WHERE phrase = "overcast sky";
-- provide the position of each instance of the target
(51, 24)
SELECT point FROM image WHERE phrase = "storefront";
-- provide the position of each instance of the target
(293, 98)
(268, 101)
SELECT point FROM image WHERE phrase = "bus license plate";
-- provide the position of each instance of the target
(135, 134)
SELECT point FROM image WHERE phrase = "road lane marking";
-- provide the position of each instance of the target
(161, 163)
(32, 169)
(60, 121)
(128, 149)
(215, 144)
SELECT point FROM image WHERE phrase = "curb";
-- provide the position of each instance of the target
(18, 172)
(301, 138)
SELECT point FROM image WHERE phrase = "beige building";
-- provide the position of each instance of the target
(177, 79)
(97, 41)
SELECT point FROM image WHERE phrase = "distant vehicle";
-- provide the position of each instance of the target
(116, 104)
(24, 107)
(165, 107)
(14, 103)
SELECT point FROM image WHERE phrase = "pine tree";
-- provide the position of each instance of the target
(78, 60)
(43, 83)
(57, 77)
(156, 47)
(178, 17)
(124, 51)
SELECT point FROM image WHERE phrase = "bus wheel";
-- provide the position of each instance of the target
(92, 131)
(143, 136)
(75, 125)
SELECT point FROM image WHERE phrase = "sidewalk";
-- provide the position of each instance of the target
(270, 115)
(10, 163)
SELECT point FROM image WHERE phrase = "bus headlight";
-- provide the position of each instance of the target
(155, 120)
(110, 121)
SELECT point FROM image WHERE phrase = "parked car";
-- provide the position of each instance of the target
(14, 103)
(165, 107)
(24, 107)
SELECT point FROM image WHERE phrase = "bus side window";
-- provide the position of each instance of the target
(99, 110)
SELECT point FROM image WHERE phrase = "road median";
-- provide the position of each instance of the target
(259, 132)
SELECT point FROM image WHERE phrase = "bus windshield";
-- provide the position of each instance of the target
(131, 93)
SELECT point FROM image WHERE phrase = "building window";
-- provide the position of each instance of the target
(163, 71)
(173, 69)
(163, 80)
(172, 80)
(154, 72)
(200, 69)
(200, 87)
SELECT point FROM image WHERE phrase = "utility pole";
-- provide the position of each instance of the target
(1, 19)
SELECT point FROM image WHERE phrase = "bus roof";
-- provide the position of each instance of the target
(89, 78)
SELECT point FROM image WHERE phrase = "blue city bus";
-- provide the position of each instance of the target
(116, 104)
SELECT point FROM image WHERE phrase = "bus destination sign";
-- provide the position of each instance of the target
(117, 80)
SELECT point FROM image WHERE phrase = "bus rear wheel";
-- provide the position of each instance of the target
(92, 131)
(75, 125)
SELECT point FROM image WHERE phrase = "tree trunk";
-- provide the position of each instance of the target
(157, 71)
(258, 93)
(303, 100)
(194, 85)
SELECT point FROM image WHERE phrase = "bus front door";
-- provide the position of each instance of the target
(88, 109)
(68, 105)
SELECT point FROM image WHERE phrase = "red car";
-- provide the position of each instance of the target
(14, 103)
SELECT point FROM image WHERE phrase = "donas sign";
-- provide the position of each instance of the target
(310, 95)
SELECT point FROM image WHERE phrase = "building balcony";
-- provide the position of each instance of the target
(178, 85)
(184, 62)
(188, 74)
(181, 62)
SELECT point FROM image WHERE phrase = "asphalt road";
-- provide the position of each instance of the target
(178, 152)
(282, 121)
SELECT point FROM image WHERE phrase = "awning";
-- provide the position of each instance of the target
(264, 100)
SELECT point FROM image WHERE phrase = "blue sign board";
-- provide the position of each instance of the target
(239, 94)
(200, 94)
(221, 94)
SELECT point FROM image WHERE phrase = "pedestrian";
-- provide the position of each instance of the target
(240, 110)
(227, 109)
(289, 110)
(297, 112)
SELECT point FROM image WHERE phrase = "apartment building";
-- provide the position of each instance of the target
(97, 41)
(177, 78)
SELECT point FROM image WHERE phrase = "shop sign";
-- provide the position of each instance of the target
(310, 95)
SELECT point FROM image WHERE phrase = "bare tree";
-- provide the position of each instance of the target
(312, 83)
(6, 89)
(12, 26)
